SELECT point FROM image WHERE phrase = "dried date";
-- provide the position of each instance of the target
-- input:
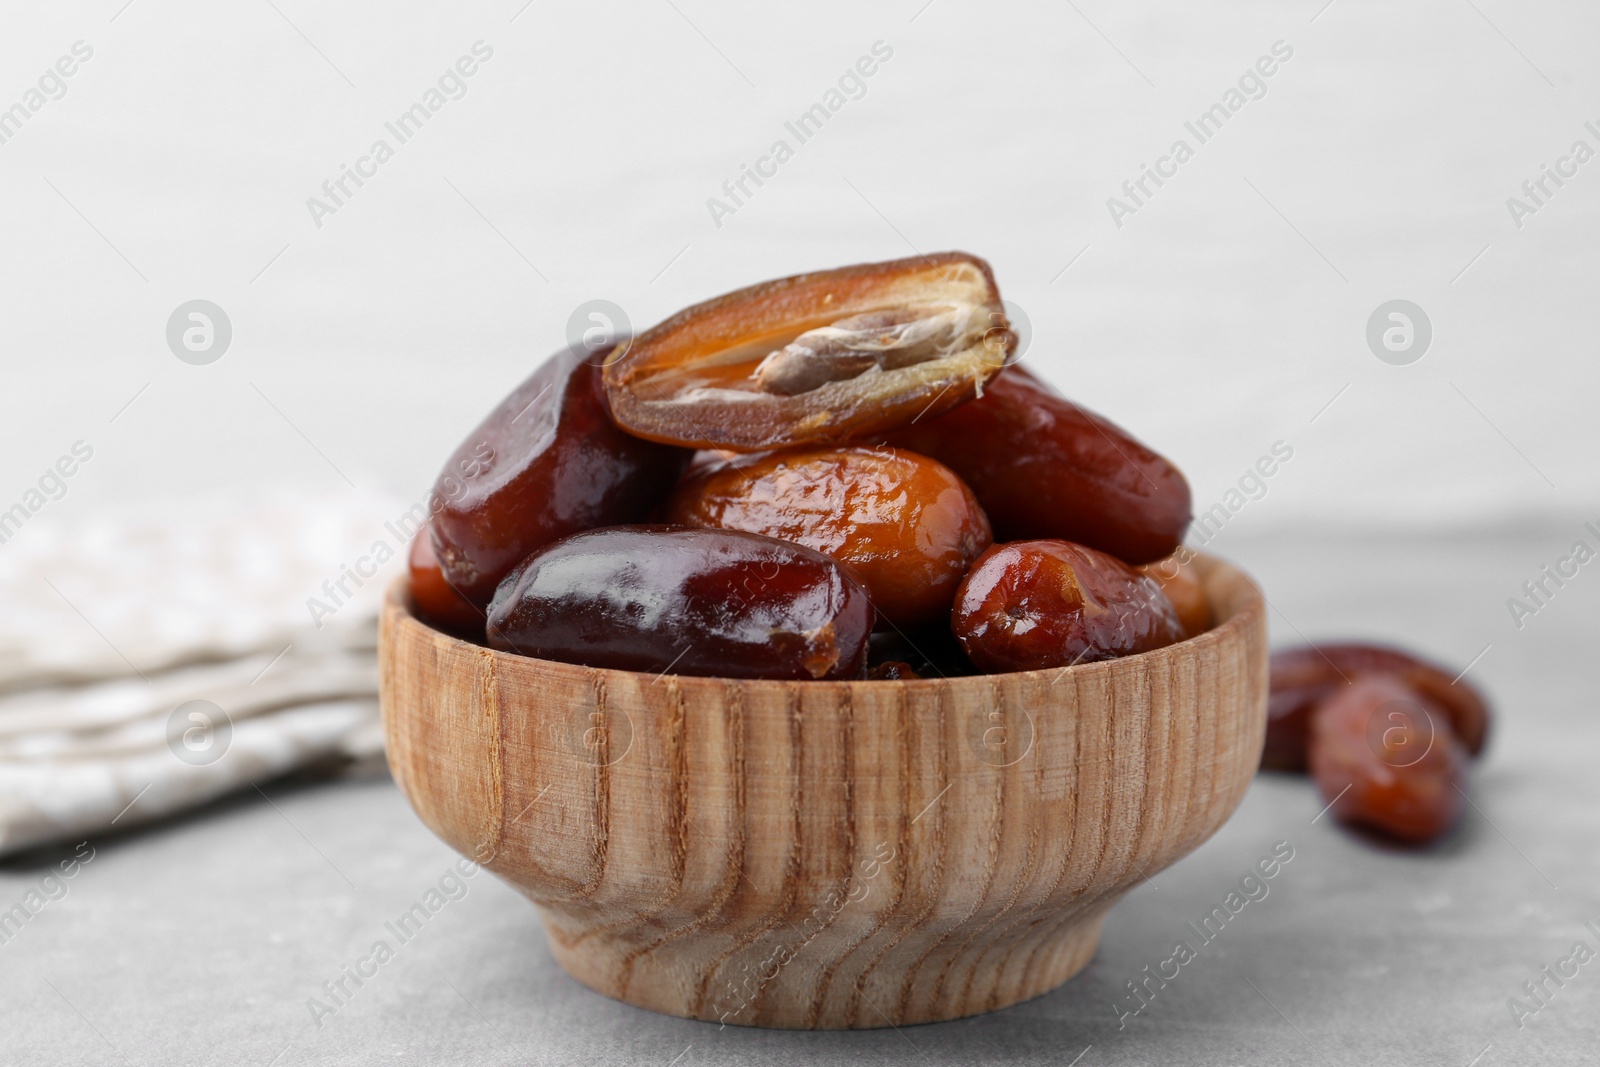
(547, 462)
(1384, 758)
(905, 524)
(814, 358)
(1177, 578)
(435, 601)
(1044, 467)
(662, 598)
(1307, 675)
(1030, 605)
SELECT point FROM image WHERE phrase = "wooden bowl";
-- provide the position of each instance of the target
(826, 855)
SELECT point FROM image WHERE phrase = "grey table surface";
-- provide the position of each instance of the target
(201, 941)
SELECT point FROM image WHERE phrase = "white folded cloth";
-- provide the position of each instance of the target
(154, 658)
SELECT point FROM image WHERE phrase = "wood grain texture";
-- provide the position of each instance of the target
(827, 854)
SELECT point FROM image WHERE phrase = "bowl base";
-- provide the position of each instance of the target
(915, 980)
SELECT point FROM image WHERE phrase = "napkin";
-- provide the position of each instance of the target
(152, 659)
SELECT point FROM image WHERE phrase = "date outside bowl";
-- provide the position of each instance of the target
(826, 855)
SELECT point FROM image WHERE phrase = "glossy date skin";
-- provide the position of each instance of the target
(661, 598)
(1031, 605)
(1305, 676)
(434, 600)
(905, 524)
(1043, 467)
(547, 462)
(1385, 758)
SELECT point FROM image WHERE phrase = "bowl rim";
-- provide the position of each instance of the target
(1232, 629)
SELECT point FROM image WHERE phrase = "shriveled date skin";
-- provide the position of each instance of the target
(1386, 759)
(1307, 675)
(436, 603)
(1030, 605)
(663, 598)
(905, 524)
(815, 358)
(547, 462)
(1043, 467)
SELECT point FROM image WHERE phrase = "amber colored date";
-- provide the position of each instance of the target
(1177, 578)
(1030, 605)
(1307, 675)
(1043, 467)
(547, 462)
(906, 525)
(435, 602)
(663, 598)
(815, 358)
(1385, 758)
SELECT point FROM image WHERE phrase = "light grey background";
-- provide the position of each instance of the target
(1227, 314)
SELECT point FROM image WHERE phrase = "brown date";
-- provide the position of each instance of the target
(669, 598)
(1177, 578)
(547, 462)
(905, 524)
(1029, 605)
(1385, 758)
(1043, 467)
(1307, 675)
(816, 357)
(435, 601)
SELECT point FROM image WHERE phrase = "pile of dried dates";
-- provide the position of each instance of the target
(1386, 736)
(845, 475)
(838, 475)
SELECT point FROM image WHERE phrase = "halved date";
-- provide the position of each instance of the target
(815, 358)
(1044, 467)
(1030, 605)
(906, 525)
(1305, 676)
(1385, 758)
(547, 462)
(663, 598)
